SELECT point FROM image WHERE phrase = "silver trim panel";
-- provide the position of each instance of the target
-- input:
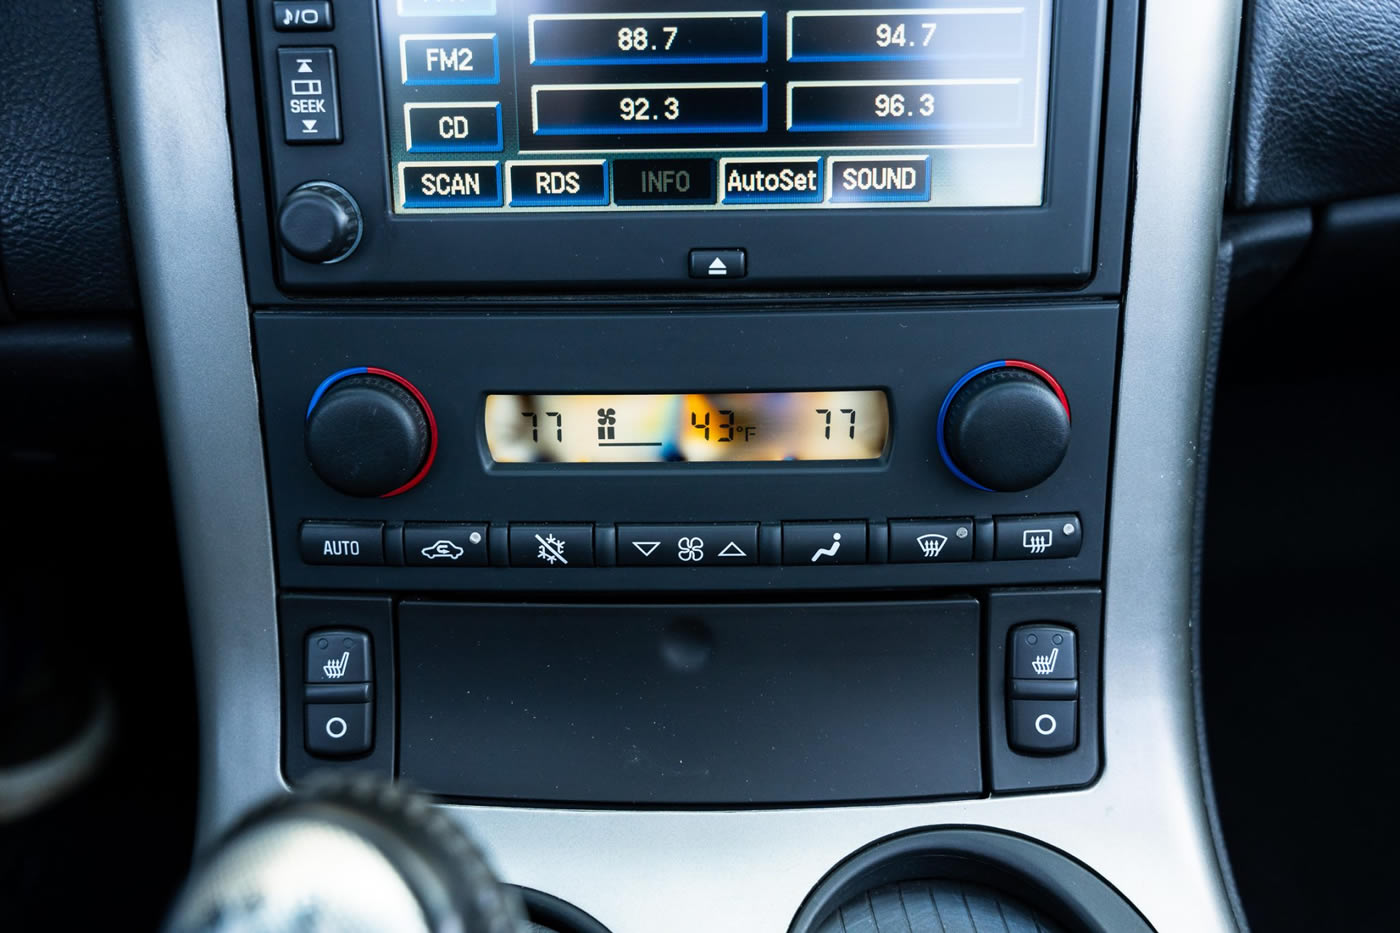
(1142, 826)
(166, 67)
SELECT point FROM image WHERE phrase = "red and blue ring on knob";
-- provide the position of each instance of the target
(1036, 454)
(418, 397)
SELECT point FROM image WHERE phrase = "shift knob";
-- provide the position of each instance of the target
(356, 855)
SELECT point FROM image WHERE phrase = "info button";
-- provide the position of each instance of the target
(559, 184)
(878, 178)
(664, 181)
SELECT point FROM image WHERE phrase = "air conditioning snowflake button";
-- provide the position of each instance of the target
(554, 546)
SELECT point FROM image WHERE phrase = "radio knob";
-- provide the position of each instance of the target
(319, 222)
(1004, 426)
(370, 432)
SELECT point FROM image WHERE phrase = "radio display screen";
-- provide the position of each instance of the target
(634, 105)
(674, 428)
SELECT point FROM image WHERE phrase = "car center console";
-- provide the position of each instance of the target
(632, 421)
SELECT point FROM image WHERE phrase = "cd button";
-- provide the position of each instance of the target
(813, 544)
(687, 545)
(453, 127)
(559, 546)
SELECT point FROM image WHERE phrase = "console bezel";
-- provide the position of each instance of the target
(1072, 241)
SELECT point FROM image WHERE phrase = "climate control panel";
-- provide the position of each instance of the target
(612, 451)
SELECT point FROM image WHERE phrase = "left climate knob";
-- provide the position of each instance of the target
(319, 222)
(370, 432)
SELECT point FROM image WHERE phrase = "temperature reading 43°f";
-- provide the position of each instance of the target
(826, 413)
(724, 429)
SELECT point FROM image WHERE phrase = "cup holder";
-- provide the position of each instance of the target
(940, 880)
(548, 914)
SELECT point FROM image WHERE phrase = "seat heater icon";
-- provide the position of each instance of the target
(1045, 663)
(335, 667)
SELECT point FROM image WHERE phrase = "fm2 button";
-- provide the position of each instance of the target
(717, 264)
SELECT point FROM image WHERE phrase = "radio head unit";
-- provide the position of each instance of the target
(479, 145)
(691, 105)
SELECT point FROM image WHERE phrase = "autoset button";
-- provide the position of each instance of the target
(461, 127)
(663, 181)
(1038, 537)
(558, 184)
(451, 184)
(456, 58)
(932, 541)
(443, 545)
(687, 545)
(821, 543)
(770, 181)
(555, 546)
(878, 178)
(310, 101)
(358, 543)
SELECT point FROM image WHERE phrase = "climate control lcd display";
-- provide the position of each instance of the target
(557, 105)
(673, 428)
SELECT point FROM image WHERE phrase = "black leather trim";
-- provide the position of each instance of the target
(1318, 115)
(64, 245)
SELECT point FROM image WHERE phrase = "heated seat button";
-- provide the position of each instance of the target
(338, 656)
(339, 730)
(1043, 652)
(1044, 727)
(811, 544)
(444, 545)
(310, 101)
(342, 542)
(1038, 537)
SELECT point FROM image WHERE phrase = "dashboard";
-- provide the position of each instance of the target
(732, 459)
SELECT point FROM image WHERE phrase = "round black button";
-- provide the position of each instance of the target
(319, 222)
(1006, 429)
(367, 436)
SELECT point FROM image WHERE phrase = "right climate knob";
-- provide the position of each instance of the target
(1004, 426)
